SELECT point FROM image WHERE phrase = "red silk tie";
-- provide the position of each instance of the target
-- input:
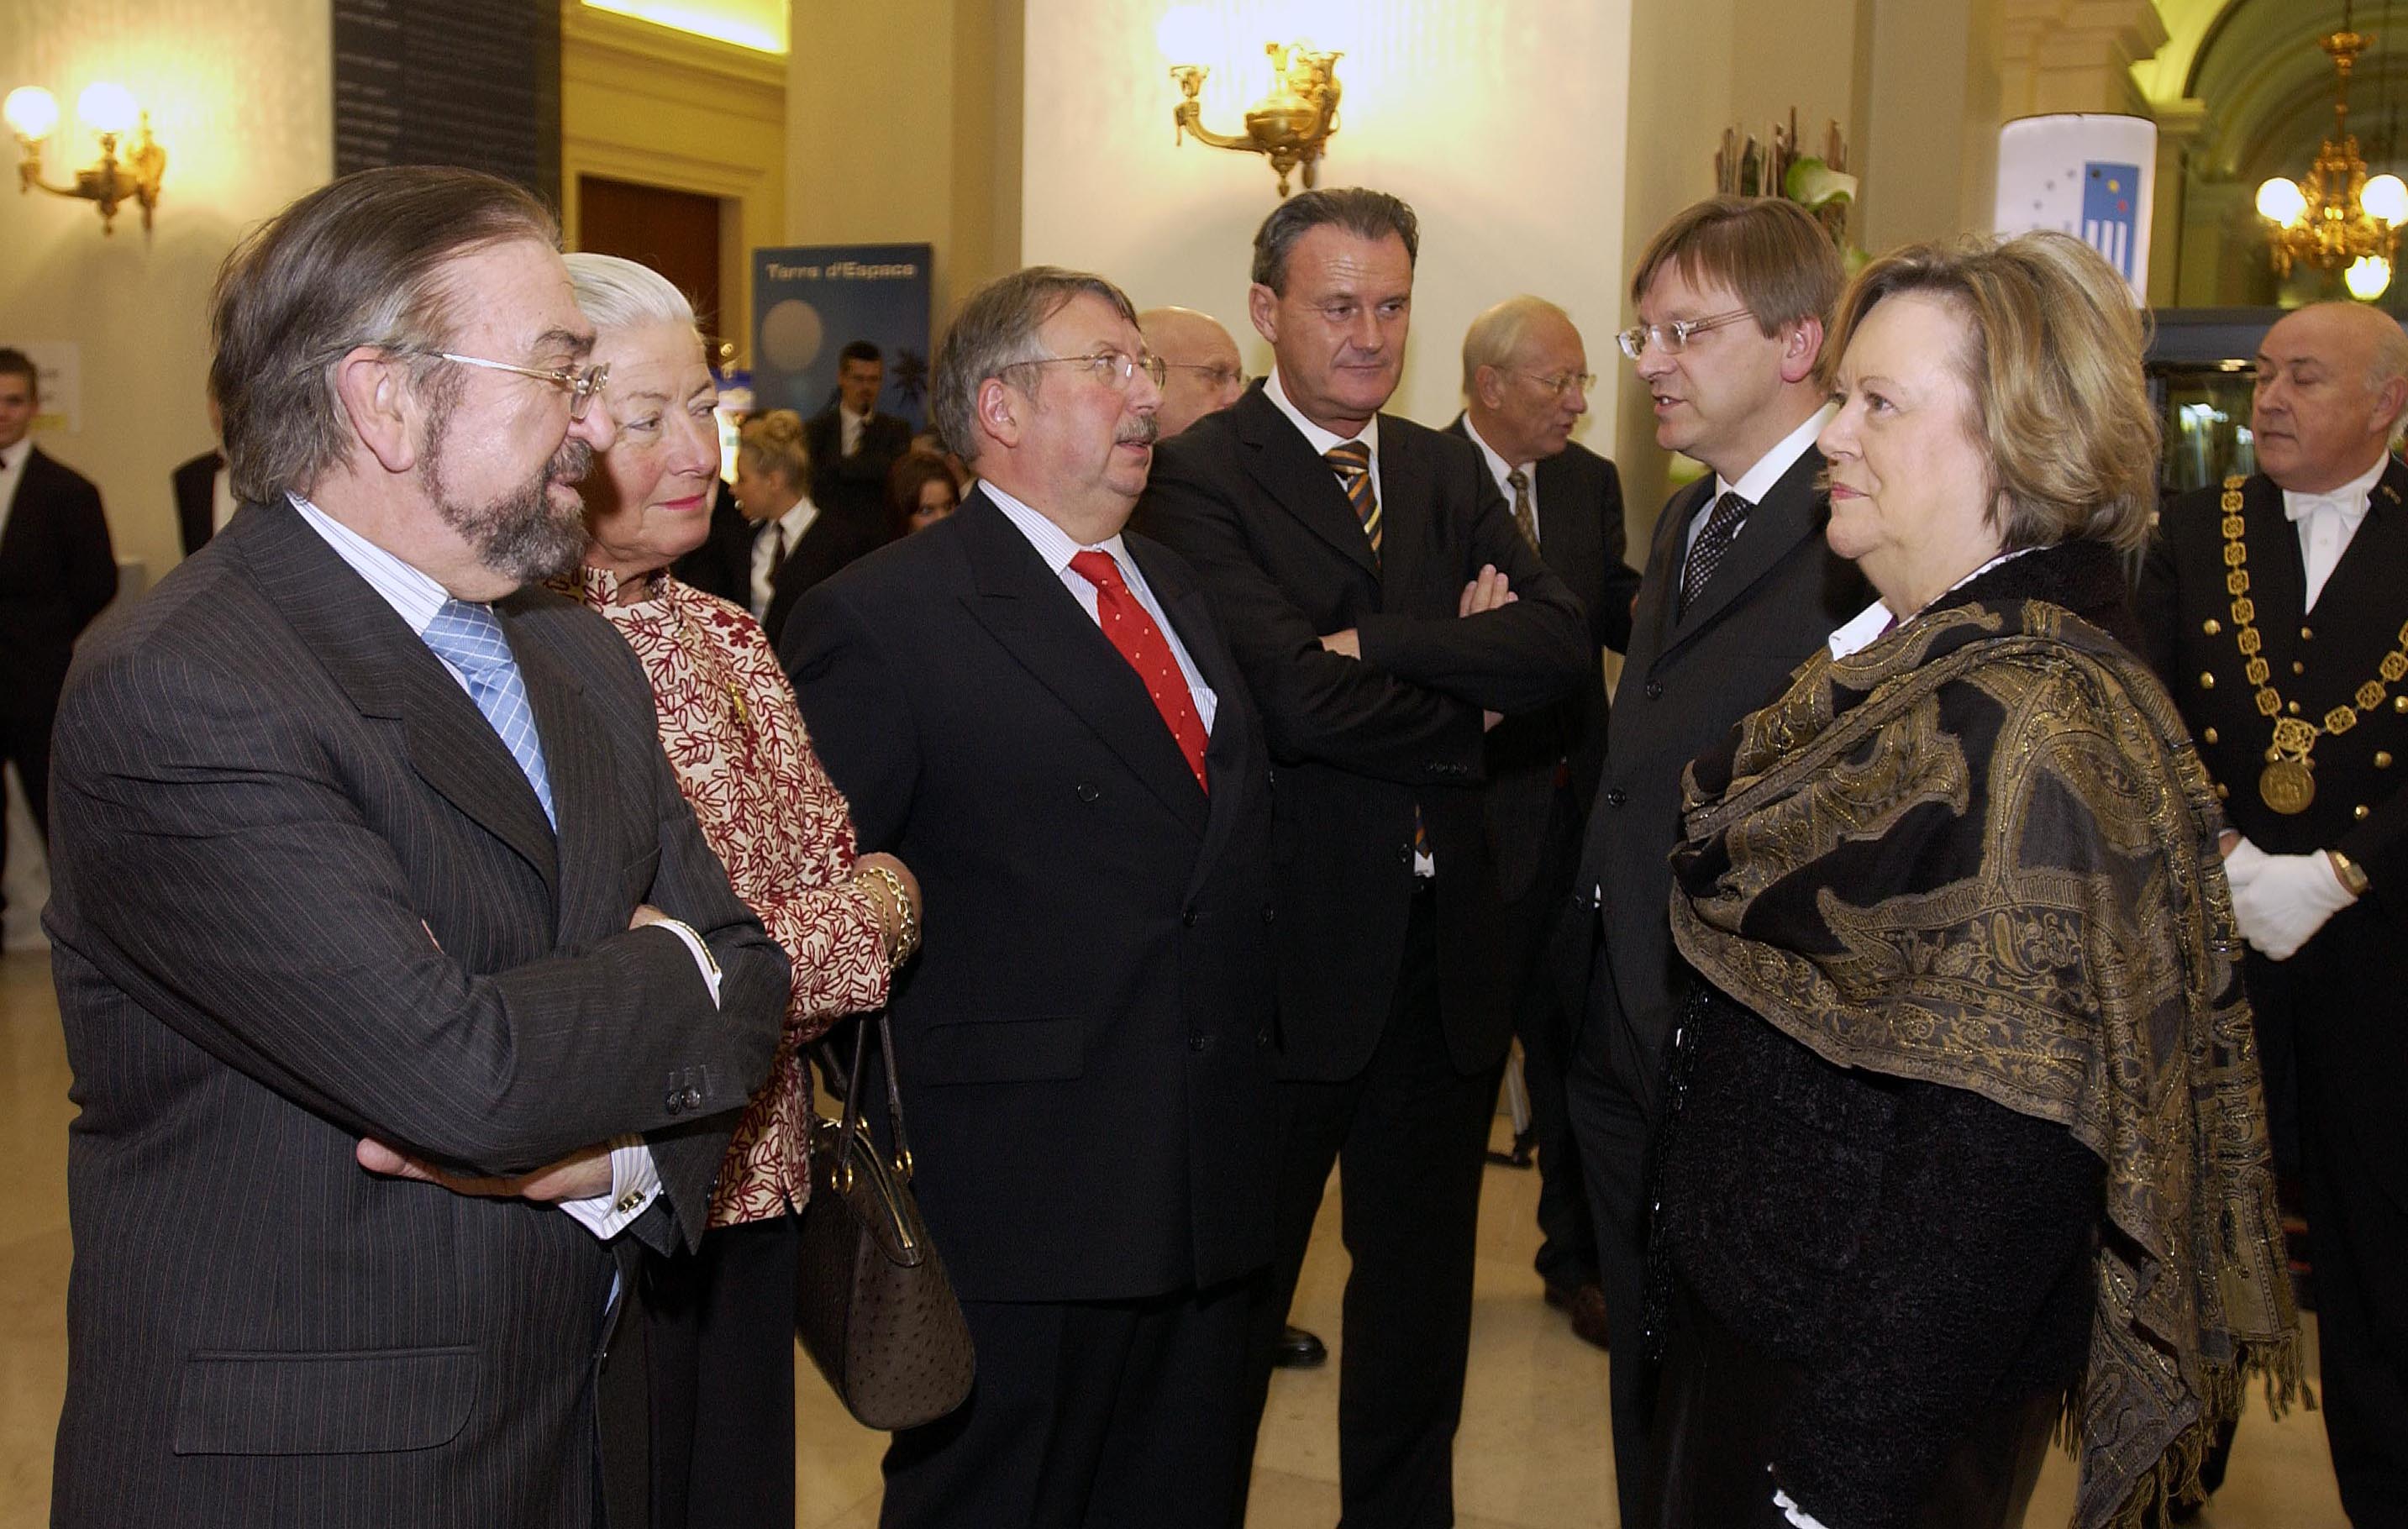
(1148, 651)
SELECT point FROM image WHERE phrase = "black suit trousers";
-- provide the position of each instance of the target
(1610, 1099)
(1088, 1415)
(2357, 1218)
(722, 1322)
(26, 742)
(1409, 1136)
(1567, 1232)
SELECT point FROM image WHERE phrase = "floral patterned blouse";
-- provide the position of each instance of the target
(735, 737)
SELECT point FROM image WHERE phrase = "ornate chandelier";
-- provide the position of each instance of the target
(2337, 219)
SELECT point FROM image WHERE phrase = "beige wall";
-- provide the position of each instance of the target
(240, 92)
(644, 103)
(1504, 124)
(903, 127)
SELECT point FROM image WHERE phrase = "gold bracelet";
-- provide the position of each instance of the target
(2353, 877)
(907, 924)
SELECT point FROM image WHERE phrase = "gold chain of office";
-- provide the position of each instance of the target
(2289, 783)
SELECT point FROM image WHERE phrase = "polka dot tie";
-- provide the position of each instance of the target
(1132, 631)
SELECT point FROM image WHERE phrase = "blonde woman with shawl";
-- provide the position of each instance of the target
(1968, 1134)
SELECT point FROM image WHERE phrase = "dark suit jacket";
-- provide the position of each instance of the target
(1780, 591)
(1084, 1041)
(57, 572)
(2360, 807)
(196, 499)
(1562, 747)
(1357, 746)
(302, 893)
(838, 535)
(855, 483)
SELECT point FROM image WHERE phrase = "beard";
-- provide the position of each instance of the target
(517, 534)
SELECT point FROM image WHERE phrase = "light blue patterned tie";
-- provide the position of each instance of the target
(471, 637)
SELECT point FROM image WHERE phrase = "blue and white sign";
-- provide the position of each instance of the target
(810, 301)
(2090, 175)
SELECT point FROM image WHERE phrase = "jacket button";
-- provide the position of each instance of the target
(1263, 1038)
(1199, 1043)
(675, 1103)
(1405, 852)
(1655, 690)
(1187, 916)
(1615, 797)
(1269, 912)
(693, 1098)
(1088, 792)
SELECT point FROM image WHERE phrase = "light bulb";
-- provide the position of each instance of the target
(2281, 201)
(2367, 278)
(2387, 198)
(107, 108)
(1188, 35)
(32, 112)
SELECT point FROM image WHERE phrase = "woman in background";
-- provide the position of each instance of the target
(920, 492)
(722, 1321)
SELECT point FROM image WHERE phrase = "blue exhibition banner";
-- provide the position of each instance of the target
(810, 301)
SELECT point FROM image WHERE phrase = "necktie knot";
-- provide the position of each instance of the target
(1517, 481)
(1713, 540)
(1097, 568)
(1349, 458)
(470, 635)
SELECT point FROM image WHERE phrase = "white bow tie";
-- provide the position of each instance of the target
(2350, 506)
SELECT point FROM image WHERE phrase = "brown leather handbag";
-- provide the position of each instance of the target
(875, 1310)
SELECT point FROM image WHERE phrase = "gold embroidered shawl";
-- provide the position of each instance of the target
(1981, 853)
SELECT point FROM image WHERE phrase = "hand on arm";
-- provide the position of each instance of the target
(1490, 591)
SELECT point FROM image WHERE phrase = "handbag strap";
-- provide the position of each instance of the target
(848, 1081)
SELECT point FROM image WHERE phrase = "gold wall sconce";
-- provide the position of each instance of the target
(110, 111)
(1290, 126)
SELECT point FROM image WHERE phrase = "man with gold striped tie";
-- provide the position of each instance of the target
(1385, 611)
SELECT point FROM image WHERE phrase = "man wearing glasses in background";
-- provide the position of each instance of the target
(1525, 385)
(1732, 298)
(1038, 711)
(1202, 372)
(1384, 611)
(372, 891)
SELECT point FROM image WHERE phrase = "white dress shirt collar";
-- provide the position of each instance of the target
(2326, 523)
(414, 595)
(1056, 546)
(2349, 500)
(12, 472)
(1875, 618)
(1769, 468)
(1319, 439)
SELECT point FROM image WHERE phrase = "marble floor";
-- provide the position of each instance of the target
(1531, 1454)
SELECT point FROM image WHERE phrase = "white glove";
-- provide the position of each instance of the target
(2280, 901)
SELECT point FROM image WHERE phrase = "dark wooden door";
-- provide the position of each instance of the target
(675, 233)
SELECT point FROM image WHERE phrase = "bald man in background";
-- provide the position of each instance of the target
(1206, 375)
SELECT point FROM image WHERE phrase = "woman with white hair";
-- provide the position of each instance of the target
(722, 1322)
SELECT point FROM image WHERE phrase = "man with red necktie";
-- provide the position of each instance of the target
(1041, 713)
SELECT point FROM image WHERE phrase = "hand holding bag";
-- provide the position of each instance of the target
(872, 1303)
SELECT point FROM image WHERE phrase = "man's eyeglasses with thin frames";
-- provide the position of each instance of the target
(582, 386)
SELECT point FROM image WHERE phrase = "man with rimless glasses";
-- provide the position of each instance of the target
(1039, 712)
(404, 997)
(1731, 297)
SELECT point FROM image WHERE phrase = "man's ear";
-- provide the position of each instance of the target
(1488, 386)
(384, 413)
(1801, 347)
(1262, 307)
(998, 412)
(2388, 401)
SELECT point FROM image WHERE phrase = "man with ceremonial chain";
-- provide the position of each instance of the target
(2276, 612)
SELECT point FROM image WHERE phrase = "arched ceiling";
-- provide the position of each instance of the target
(2269, 89)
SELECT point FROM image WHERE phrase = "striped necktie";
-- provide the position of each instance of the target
(471, 637)
(1352, 461)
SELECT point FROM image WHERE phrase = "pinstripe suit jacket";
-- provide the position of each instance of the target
(302, 893)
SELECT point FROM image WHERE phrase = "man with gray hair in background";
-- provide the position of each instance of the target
(403, 996)
(1526, 382)
(1039, 714)
(2275, 607)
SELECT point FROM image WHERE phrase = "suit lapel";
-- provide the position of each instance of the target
(1651, 625)
(1038, 622)
(1297, 479)
(1228, 747)
(390, 674)
(2367, 577)
(1789, 514)
(1409, 519)
(579, 763)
